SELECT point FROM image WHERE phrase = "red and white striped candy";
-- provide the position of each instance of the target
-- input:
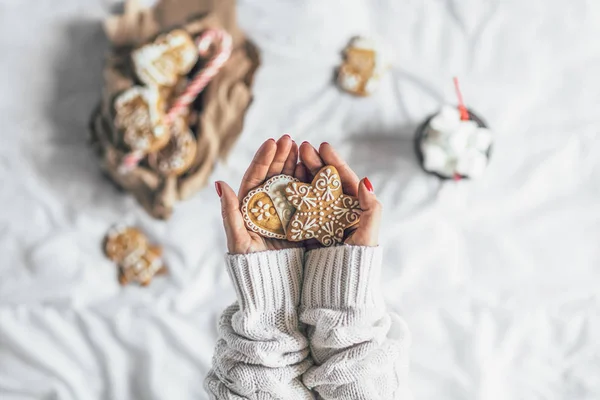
(225, 44)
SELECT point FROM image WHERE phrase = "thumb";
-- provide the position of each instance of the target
(367, 233)
(238, 240)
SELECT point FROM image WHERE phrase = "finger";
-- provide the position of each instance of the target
(259, 167)
(301, 173)
(367, 233)
(235, 230)
(310, 158)
(284, 145)
(349, 178)
(292, 160)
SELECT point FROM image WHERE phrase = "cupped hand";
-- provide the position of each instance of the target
(272, 158)
(366, 232)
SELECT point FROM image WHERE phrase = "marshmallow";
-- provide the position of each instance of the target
(434, 157)
(452, 146)
(482, 139)
(472, 163)
(447, 119)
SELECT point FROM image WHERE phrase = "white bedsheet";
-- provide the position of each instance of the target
(498, 279)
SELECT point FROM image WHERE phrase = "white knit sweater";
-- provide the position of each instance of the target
(314, 329)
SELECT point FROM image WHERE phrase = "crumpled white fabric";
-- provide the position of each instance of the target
(497, 278)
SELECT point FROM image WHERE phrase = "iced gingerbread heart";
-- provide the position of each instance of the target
(162, 62)
(362, 68)
(266, 209)
(141, 118)
(137, 260)
(323, 210)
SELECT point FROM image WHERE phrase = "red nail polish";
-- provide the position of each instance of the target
(368, 184)
(218, 189)
(325, 143)
(305, 142)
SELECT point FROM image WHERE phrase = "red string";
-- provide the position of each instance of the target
(464, 113)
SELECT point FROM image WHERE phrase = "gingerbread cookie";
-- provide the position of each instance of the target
(362, 68)
(162, 62)
(177, 156)
(140, 116)
(266, 209)
(323, 210)
(137, 260)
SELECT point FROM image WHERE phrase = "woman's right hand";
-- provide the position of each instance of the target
(272, 158)
(366, 232)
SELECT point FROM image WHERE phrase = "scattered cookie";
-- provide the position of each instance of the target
(362, 68)
(137, 260)
(140, 116)
(323, 210)
(266, 209)
(178, 155)
(162, 62)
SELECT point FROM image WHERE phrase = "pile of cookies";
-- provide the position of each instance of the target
(285, 208)
(167, 145)
(156, 137)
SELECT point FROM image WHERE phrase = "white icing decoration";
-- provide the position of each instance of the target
(303, 230)
(301, 196)
(327, 187)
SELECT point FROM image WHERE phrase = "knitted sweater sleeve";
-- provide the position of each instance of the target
(359, 349)
(261, 353)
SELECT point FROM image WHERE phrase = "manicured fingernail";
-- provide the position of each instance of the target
(305, 142)
(218, 189)
(368, 184)
(287, 135)
(271, 139)
(325, 143)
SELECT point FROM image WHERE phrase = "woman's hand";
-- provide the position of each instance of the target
(366, 232)
(272, 158)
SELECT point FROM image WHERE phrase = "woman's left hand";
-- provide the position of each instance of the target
(272, 158)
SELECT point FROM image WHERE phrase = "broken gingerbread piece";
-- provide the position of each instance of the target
(362, 68)
(141, 118)
(178, 155)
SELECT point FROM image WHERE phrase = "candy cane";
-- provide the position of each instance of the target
(130, 161)
(223, 39)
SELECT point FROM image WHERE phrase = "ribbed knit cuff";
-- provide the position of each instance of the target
(268, 280)
(343, 277)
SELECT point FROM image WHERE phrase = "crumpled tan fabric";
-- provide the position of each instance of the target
(218, 113)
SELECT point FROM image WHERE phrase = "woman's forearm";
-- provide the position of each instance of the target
(355, 355)
(261, 352)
